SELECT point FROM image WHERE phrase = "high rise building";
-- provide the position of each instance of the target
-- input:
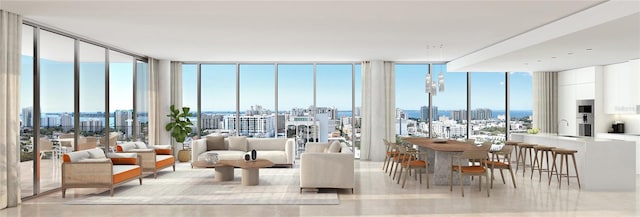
(253, 126)
(212, 121)
(331, 111)
(66, 120)
(91, 125)
(121, 117)
(257, 110)
(424, 113)
(50, 121)
(27, 117)
(459, 115)
(481, 114)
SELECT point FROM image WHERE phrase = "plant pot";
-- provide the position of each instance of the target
(184, 155)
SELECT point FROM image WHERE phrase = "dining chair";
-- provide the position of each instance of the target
(46, 146)
(412, 160)
(398, 159)
(460, 164)
(390, 153)
(505, 163)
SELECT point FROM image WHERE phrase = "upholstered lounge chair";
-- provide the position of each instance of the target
(154, 158)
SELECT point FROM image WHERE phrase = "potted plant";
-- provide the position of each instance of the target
(180, 127)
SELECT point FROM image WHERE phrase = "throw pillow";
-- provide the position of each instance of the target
(215, 143)
(238, 143)
(334, 147)
(96, 153)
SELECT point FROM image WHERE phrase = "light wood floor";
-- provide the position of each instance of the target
(377, 195)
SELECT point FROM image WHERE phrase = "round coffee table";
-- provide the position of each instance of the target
(224, 172)
(250, 169)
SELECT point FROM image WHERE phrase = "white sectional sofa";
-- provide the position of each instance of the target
(327, 165)
(280, 151)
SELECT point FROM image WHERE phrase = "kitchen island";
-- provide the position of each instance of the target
(603, 164)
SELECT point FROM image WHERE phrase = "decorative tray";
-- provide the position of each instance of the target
(439, 140)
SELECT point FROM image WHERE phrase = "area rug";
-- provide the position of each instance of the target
(188, 186)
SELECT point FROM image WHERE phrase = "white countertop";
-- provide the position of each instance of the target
(567, 138)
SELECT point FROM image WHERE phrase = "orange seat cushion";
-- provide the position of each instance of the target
(403, 157)
(163, 151)
(165, 163)
(124, 161)
(415, 163)
(120, 177)
(469, 169)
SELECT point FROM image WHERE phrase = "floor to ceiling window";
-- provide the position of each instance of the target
(521, 101)
(449, 105)
(56, 105)
(410, 98)
(190, 97)
(48, 100)
(27, 146)
(218, 98)
(141, 127)
(334, 99)
(296, 118)
(121, 95)
(92, 95)
(338, 88)
(488, 106)
(257, 100)
(356, 122)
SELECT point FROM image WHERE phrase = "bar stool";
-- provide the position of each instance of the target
(515, 146)
(544, 151)
(525, 149)
(564, 155)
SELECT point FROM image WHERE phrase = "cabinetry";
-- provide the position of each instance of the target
(573, 85)
(620, 87)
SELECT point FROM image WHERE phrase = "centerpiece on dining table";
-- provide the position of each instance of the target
(439, 140)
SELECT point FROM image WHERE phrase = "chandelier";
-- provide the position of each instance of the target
(433, 86)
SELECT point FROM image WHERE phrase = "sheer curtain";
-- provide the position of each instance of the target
(378, 108)
(176, 95)
(155, 116)
(10, 45)
(545, 101)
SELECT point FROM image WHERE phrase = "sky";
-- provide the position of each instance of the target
(56, 86)
(487, 89)
(257, 87)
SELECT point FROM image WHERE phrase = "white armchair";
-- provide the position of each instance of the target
(319, 168)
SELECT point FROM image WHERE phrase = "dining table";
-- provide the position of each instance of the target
(439, 156)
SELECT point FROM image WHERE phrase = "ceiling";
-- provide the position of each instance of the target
(337, 31)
